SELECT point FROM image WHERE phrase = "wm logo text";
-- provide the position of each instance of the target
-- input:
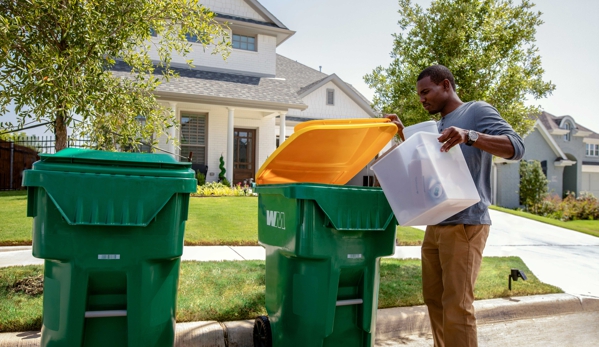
(275, 219)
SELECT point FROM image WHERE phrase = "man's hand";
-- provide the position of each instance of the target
(452, 136)
(395, 120)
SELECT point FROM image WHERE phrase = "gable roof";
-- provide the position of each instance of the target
(264, 12)
(269, 25)
(308, 80)
(540, 125)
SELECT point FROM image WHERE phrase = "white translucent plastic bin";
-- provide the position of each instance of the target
(428, 127)
(423, 185)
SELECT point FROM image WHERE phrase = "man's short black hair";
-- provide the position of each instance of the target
(438, 73)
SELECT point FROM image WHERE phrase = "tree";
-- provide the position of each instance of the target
(487, 44)
(533, 185)
(57, 55)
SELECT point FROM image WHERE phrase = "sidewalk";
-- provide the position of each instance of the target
(21, 255)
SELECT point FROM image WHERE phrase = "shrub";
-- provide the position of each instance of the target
(223, 171)
(586, 206)
(533, 185)
(201, 179)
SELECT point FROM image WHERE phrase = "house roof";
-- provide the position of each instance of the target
(201, 85)
(306, 80)
(293, 81)
(268, 25)
(552, 122)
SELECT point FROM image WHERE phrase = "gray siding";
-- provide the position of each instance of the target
(508, 180)
(538, 149)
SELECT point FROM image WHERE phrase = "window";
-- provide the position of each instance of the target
(191, 38)
(153, 32)
(247, 43)
(544, 167)
(193, 136)
(592, 150)
(567, 126)
(330, 96)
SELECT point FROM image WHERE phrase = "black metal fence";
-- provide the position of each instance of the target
(46, 144)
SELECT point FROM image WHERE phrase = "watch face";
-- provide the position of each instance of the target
(472, 135)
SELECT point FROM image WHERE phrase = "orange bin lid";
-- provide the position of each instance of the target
(326, 151)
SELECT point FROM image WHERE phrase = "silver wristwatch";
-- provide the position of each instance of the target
(472, 137)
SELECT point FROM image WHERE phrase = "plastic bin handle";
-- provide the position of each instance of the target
(107, 313)
(349, 302)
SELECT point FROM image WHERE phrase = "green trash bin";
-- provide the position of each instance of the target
(323, 246)
(110, 227)
(323, 241)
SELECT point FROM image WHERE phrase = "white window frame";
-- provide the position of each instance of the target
(592, 150)
(568, 127)
(195, 157)
(332, 93)
(240, 41)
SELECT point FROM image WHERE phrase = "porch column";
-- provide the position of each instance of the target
(230, 138)
(174, 134)
(282, 128)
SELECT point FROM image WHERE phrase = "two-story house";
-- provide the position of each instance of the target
(569, 156)
(242, 107)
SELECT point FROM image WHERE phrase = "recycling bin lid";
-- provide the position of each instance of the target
(94, 161)
(326, 151)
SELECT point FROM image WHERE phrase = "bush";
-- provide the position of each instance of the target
(219, 189)
(586, 206)
(201, 179)
(533, 185)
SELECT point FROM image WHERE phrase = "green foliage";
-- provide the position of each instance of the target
(223, 171)
(533, 185)
(12, 137)
(57, 57)
(222, 189)
(487, 44)
(201, 178)
(583, 207)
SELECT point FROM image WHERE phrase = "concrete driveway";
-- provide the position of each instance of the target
(557, 256)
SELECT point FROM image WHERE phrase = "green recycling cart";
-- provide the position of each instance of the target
(110, 227)
(323, 241)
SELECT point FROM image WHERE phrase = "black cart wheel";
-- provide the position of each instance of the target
(262, 333)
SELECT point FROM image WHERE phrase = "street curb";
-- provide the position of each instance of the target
(392, 323)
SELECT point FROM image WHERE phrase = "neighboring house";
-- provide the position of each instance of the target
(569, 156)
(239, 108)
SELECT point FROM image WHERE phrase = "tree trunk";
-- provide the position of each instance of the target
(60, 131)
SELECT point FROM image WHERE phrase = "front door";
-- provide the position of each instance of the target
(244, 158)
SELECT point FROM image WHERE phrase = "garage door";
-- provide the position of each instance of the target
(590, 183)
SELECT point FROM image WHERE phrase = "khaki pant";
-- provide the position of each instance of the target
(451, 258)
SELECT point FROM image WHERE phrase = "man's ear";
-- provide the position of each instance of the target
(447, 85)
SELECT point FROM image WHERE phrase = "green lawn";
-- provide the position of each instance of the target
(590, 227)
(234, 290)
(15, 228)
(222, 221)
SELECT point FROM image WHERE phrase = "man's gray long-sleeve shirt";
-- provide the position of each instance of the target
(483, 118)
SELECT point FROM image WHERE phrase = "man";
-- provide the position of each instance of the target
(452, 250)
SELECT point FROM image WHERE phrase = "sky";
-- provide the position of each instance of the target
(352, 37)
